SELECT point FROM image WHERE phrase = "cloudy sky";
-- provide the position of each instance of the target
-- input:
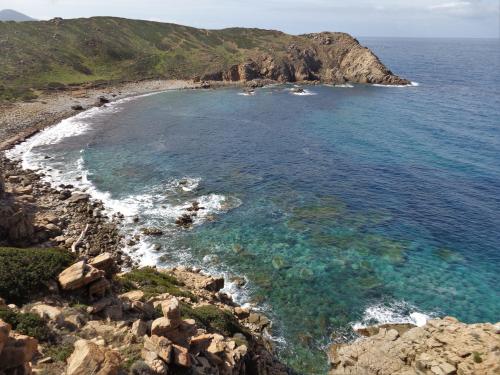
(413, 18)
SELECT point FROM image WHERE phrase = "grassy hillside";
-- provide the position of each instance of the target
(81, 50)
(46, 54)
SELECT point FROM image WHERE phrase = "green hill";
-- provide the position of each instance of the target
(46, 54)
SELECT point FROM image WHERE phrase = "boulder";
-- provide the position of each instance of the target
(170, 309)
(139, 328)
(4, 334)
(161, 346)
(47, 312)
(18, 350)
(133, 295)
(79, 275)
(89, 358)
(78, 197)
(105, 262)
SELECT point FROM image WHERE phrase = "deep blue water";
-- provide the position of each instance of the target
(349, 205)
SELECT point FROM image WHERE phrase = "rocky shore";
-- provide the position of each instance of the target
(441, 347)
(67, 306)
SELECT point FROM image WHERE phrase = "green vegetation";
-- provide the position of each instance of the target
(24, 273)
(213, 319)
(26, 324)
(59, 353)
(476, 357)
(152, 282)
(106, 49)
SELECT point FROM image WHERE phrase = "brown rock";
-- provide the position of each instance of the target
(78, 275)
(161, 346)
(89, 358)
(181, 356)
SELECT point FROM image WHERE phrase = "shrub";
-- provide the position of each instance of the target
(477, 357)
(152, 282)
(24, 273)
(213, 319)
(59, 353)
(26, 324)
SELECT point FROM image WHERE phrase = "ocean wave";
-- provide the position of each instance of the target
(303, 93)
(246, 93)
(412, 84)
(343, 85)
(396, 312)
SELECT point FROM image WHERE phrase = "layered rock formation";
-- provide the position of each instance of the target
(328, 57)
(441, 347)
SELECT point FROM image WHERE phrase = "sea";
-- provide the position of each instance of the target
(338, 207)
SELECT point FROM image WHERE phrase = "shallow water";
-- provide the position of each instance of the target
(353, 204)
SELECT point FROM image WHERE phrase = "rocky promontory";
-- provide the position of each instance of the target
(441, 347)
(56, 55)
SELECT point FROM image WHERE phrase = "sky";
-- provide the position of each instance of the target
(361, 18)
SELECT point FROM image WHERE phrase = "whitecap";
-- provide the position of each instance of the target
(412, 84)
(396, 312)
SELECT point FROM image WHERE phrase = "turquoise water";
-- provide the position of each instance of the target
(352, 204)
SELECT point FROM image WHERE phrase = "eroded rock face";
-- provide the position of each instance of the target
(441, 347)
(328, 57)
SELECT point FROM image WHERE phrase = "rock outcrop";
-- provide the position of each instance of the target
(90, 358)
(328, 57)
(441, 347)
(16, 351)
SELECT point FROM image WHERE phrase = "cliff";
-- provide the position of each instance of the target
(52, 54)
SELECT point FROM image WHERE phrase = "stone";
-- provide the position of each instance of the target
(104, 262)
(133, 295)
(152, 231)
(78, 275)
(90, 358)
(139, 328)
(4, 334)
(170, 309)
(18, 350)
(77, 197)
(48, 312)
(242, 312)
(163, 326)
(181, 356)
(161, 346)
(99, 288)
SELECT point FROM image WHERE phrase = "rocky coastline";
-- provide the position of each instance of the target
(98, 319)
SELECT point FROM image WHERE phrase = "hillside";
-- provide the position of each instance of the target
(48, 54)
(12, 15)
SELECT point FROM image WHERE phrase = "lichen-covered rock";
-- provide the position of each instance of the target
(441, 347)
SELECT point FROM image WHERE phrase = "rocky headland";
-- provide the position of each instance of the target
(73, 302)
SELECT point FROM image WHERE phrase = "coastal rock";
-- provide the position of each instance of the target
(16, 351)
(90, 358)
(79, 275)
(442, 346)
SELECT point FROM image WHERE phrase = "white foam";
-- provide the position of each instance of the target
(304, 93)
(344, 85)
(412, 84)
(252, 93)
(396, 312)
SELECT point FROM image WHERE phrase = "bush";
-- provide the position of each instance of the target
(213, 319)
(24, 273)
(26, 324)
(59, 353)
(152, 282)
